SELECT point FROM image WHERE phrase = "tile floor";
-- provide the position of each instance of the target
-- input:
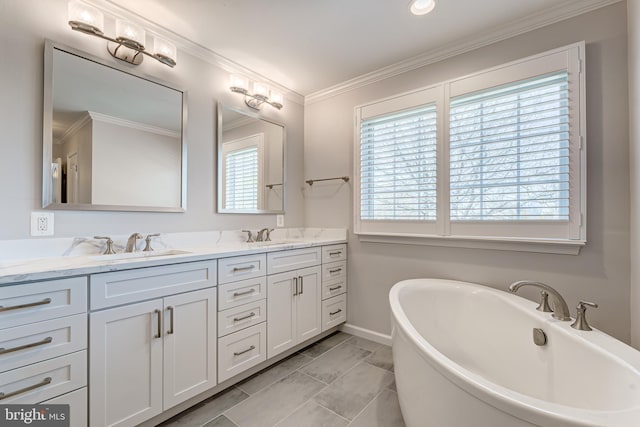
(340, 381)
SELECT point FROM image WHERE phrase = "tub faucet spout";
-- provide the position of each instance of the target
(560, 308)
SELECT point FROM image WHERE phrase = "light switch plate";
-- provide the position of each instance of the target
(279, 220)
(42, 223)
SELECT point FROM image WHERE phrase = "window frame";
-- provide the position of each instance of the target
(557, 236)
(242, 143)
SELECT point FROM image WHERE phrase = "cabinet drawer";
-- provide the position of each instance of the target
(331, 288)
(125, 287)
(334, 253)
(333, 271)
(35, 342)
(241, 317)
(278, 262)
(334, 311)
(240, 351)
(78, 405)
(241, 267)
(44, 380)
(237, 293)
(34, 302)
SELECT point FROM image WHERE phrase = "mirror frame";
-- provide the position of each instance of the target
(47, 131)
(218, 151)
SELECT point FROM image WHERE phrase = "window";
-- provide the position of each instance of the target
(241, 166)
(495, 155)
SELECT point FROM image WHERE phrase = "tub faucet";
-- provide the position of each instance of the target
(560, 309)
(131, 242)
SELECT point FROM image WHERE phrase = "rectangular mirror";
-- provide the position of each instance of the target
(112, 140)
(250, 163)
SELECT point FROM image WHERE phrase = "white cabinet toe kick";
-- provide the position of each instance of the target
(136, 346)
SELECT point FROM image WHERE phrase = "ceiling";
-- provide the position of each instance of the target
(308, 46)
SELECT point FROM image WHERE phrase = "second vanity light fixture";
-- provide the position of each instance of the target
(421, 7)
(129, 42)
(260, 95)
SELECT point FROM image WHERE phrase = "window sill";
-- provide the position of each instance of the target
(548, 246)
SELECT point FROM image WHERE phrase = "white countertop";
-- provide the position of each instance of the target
(56, 258)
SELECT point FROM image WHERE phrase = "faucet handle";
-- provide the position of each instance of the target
(268, 238)
(109, 250)
(544, 302)
(249, 235)
(147, 247)
(581, 323)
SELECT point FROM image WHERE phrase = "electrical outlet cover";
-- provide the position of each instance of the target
(279, 220)
(42, 223)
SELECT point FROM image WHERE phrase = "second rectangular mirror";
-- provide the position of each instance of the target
(250, 163)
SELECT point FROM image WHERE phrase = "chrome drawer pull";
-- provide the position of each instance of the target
(335, 253)
(248, 316)
(301, 285)
(295, 286)
(335, 312)
(30, 304)
(42, 383)
(239, 294)
(159, 313)
(47, 340)
(236, 269)
(336, 270)
(335, 288)
(238, 353)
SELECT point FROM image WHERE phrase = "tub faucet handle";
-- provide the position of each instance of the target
(544, 302)
(581, 323)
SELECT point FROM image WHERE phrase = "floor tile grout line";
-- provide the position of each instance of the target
(367, 405)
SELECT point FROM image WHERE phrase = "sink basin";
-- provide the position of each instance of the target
(137, 255)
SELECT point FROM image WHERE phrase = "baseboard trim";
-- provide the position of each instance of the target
(366, 333)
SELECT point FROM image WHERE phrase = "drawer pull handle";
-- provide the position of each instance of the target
(239, 294)
(237, 269)
(171, 311)
(335, 270)
(248, 316)
(30, 304)
(335, 288)
(159, 314)
(238, 353)
(295, 286)
(42, 383)
(335, 312)
(335, 253)
(301, 285)
(47, 340)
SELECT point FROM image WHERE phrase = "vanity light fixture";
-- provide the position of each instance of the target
(260, 94)
(421, 7)
(129, 42)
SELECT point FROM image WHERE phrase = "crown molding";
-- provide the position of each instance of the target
(143, 127)
(186, 45)
(467, 44)
(73, 129)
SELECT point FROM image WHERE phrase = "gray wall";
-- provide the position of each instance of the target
(633, 23)
(600, 273)
(23, 27)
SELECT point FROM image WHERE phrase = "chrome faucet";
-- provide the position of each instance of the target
(132, 241)
(560, 309)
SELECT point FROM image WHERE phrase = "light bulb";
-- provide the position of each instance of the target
(276, 99)
(164, 51)
(130, 34)
(421, 7)
(260, 90)
(238, 83)
(85, 18)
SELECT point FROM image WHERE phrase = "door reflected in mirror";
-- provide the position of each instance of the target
(250, 163)
(112, 140)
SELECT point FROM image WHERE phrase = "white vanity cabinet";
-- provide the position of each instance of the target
(334, 285)
(148, 356)
(43, 342)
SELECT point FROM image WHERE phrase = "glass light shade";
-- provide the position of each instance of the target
(238, 83)
(84, 17)
(276, 98)
(164, 48)
(130, 34)
(260, 90)
(421, 7)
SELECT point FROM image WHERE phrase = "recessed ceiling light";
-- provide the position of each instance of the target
(421, 7)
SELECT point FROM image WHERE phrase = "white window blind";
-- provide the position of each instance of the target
(509, 152)
(241, 178)
(398, 165)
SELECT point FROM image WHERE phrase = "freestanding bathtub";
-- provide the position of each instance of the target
(464, 356)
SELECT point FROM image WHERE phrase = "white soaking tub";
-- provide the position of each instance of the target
(464, 356)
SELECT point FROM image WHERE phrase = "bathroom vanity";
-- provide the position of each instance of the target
(129, 341)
